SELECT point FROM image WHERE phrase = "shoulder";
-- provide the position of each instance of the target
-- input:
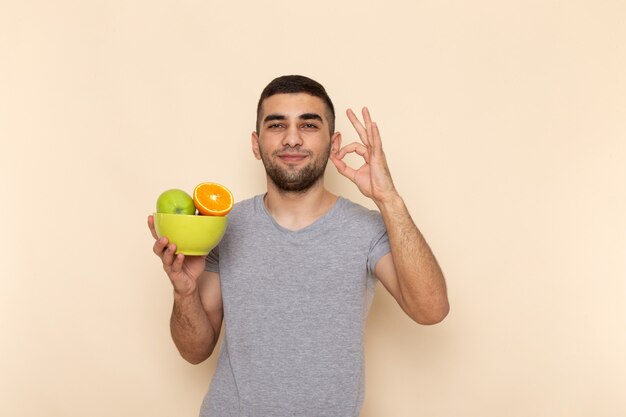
(245, 207)
(353, 210)
(360, 216)
(245, 215)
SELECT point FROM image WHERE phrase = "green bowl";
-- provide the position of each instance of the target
(193, 234)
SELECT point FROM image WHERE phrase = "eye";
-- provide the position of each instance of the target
(275, 126)
(309, 126)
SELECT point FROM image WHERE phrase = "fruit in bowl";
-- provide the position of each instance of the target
(175, 201)
(212, 199)
(194, 234)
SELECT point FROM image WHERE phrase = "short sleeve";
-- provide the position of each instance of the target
(379, 246)
(211, 262)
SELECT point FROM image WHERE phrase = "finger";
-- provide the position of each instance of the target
(377, 143)
(373, 133)
(354, 147)
(339, 164)
(177, 265)
(368, 123)
(151, 226)
(159, 246)
(358, 126)
(168, 256)
(343, 168)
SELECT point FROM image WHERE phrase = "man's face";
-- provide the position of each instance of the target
(294, 141)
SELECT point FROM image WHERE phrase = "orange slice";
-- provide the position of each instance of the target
(213, 199)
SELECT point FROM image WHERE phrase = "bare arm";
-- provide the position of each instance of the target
(197, 312)
(197, 319)
(410, 272)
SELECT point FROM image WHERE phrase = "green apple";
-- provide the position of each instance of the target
(175, 202)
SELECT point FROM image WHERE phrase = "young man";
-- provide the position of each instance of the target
(294, 276)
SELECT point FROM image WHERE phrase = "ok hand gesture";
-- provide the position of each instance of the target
(373, 177)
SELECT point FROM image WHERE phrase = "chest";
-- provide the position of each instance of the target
(299, 276)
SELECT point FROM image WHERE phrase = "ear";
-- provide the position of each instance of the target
(255, 146)
(335, 143)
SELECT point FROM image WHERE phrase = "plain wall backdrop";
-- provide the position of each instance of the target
(504, 124)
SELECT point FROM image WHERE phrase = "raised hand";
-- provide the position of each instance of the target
(183, 271)
(373, 177)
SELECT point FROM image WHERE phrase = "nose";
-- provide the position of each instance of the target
(292, 137)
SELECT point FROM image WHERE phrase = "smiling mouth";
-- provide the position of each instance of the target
(292, 157)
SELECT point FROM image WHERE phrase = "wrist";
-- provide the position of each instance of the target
(185, 296)
(390, 203)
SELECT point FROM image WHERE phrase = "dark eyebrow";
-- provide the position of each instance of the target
(274, 116)
(310, 116)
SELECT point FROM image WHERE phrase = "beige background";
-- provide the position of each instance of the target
(505, 128)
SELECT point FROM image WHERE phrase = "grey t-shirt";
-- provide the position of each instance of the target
(295, 305)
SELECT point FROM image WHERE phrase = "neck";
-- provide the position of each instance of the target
(295, 210)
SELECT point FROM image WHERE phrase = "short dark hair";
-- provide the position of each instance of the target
(293, 84)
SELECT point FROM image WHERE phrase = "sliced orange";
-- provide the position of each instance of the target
(213, 199)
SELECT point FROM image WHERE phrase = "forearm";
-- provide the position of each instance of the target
(420, 279)
(191, 329)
